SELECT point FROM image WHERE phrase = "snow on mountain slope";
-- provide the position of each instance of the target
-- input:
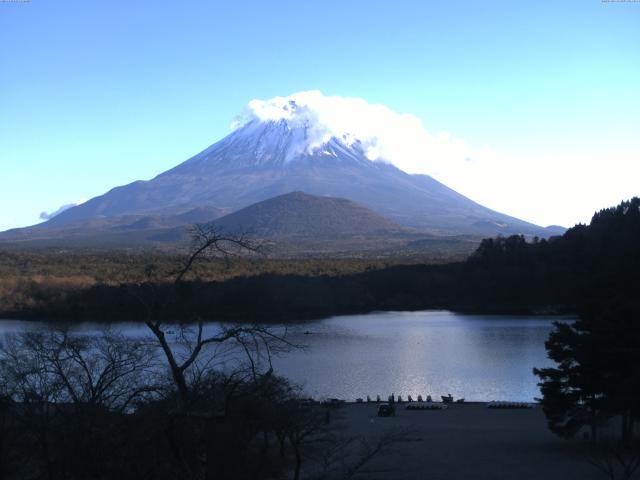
(295, 144)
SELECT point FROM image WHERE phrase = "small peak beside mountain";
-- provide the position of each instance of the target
(329, 147)
(301, 214)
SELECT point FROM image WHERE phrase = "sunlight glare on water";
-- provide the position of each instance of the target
(478, 357)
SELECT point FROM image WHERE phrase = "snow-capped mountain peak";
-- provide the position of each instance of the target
(310, 121)
(277, 143)
(323, 146)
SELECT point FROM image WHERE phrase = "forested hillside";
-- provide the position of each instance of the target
(594, 263)
(597, 263)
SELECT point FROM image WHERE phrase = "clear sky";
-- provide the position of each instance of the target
(99, 94)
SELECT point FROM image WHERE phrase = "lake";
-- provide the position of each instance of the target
(478, 357)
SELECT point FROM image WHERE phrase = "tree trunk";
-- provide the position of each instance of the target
(594, 423)
(45, 453)
(2, 452)
(176, 371)
(169, 432)
(296, 473)
(627, 428)
(281, 441)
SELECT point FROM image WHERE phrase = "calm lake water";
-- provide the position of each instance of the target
(478, 357)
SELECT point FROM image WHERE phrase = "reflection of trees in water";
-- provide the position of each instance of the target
(193, 403)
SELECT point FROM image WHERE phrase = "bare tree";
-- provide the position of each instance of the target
(252, 339)
(64, 387)
(303, 426)
(334, 455)
(615, 459)
(194, 353)
(208, 240)
(106, 370)
(368, 450)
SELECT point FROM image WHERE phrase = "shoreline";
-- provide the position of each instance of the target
(539, 312)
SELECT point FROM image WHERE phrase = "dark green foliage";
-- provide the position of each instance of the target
(588, 264)
(597, 375)
(572, 393)
(38, 284)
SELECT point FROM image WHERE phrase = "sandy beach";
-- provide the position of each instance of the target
(468, 441)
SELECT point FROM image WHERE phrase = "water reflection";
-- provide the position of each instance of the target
(471, 356)
(478, 357)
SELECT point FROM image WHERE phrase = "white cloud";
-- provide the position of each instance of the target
(386, 135)
(537, 181)
(50, 215)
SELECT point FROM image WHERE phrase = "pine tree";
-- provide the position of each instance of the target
(597, 375)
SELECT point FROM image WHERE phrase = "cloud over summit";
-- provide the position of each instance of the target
(386, 135)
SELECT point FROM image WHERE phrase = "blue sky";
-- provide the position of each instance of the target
(98, 94)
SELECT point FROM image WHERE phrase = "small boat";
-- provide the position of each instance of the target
(426, 406)
(509, 405)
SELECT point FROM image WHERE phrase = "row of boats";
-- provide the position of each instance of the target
(393, 399)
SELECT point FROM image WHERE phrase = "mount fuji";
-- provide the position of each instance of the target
(289, 149)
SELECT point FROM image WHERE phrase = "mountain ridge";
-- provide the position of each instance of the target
(266, 159)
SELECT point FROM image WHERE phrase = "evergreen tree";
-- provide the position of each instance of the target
(597, 376)
(571, 392)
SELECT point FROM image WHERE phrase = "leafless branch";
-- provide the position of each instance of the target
(616, 460)
(206, 238)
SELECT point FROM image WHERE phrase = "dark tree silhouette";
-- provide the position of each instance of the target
(64, 392)
(596, 377)
(572, 392)
(184, 354)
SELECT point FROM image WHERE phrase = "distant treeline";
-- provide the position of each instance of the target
(595, 263)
